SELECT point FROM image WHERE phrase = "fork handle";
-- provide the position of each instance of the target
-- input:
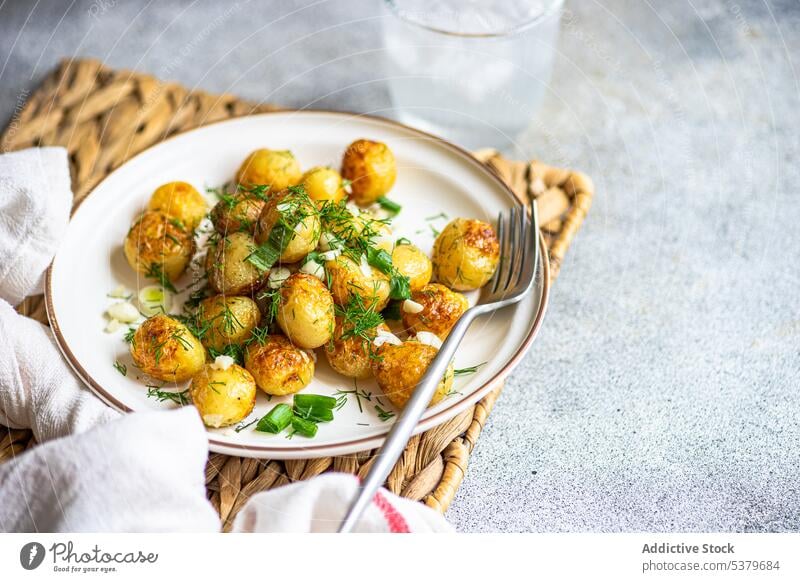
(398, 436)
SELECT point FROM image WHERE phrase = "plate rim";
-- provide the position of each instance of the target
(352, 445)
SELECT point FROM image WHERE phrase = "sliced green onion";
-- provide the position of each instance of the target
(380, 259)
(276, 419)
(314, 401)
(399, 287)
(305, 428)
(389, 205)
(314, 414)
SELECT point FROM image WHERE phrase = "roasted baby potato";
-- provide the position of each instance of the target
(223, 397)
(347, 279)
(399, 368)
(323, 184)
(158, 245)
(414, 264)
(237, 212)
(465, 254)
(277, 169)
(229, 320)
(371, 168)
(229, 271)
(179, 200)
(278, 367)
(305, 311)
(294, 212)
(441, 308)
(351, 353)
(165, 349)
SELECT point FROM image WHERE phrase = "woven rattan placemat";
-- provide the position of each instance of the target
(104, 117)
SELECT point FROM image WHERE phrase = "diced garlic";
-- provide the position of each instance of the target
(223, 362)
(353, 208)
(113, 326)
(330, 255)
(366, 270)
(385, 337)
(123, 311)
(284, 207)
(277, 277)
(300, 227)
(410, 306)
(429, 339)
(328, 242)
(120, 292)
(314, 269)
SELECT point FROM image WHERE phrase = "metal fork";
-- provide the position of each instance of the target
(519, 260)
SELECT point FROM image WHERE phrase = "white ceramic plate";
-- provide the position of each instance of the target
(433, 177)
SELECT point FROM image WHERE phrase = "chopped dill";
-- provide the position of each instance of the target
(121, 368)
(164, 395)
(468, 371)
(156, 272)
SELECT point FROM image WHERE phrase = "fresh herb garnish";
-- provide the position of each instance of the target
(384, 415)
(121, 368)
(156, 272)
(164, 395)
(467, 371)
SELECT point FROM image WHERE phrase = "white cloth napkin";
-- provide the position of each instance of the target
(34, 210)
(102, 471)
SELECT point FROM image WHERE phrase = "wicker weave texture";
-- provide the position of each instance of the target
(104, 117)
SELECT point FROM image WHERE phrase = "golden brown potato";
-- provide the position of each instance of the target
(414, 264)
(223, 397)
(277, 169)
(305, 312)
(293, 211)
(441, 308)
(229, 271)
(465, 254)
(165, 349)
(347, 279)
(399, 368)
(229, 320)
(179, 200)
(371, 169)
(279, 367)
(157, 244)
(237, 212)
(349, 354)
(323, 184)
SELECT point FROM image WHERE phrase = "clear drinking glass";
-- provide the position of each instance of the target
(472, 71)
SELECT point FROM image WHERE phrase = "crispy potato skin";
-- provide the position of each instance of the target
(304, 238)
(465, 254)
(279, 367)
(371, 168)
(441, 310)
(351, 356)
(230, 320)
(228, 270)
(179, 200)
(223, 397)
(275, 168)
(347, 279)
(414, 264)
(241, 214)
(323, 184)
(305, 313)
(165, 349)
(399, 368)
(155, 241)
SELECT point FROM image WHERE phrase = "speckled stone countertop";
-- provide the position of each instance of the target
(663, 393)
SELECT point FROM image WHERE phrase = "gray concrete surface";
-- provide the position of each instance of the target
(663, 392)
